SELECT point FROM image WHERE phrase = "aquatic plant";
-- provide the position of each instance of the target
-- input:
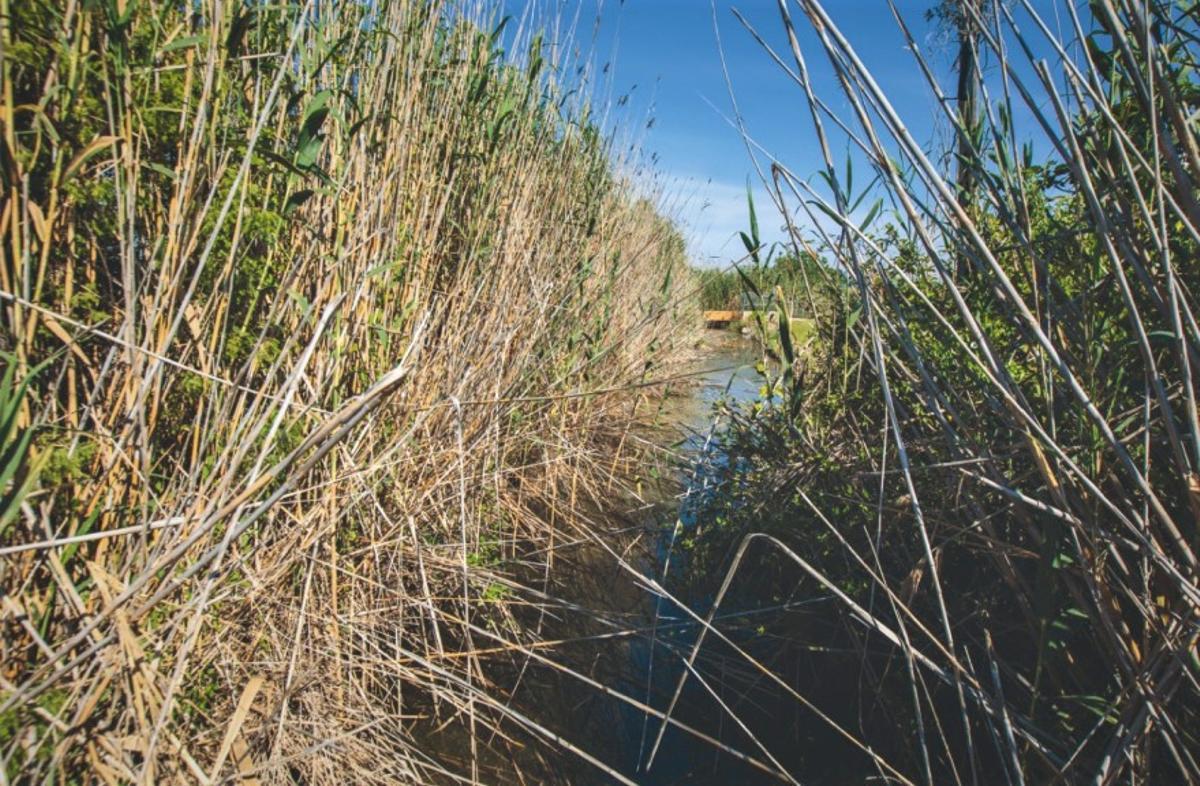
(990, 479)
(325, 325)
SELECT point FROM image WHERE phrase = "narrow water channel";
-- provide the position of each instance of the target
(728, 378)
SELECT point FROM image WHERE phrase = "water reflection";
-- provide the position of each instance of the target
(657, 661)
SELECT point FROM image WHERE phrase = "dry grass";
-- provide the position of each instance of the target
(993, 473)
(333, 323)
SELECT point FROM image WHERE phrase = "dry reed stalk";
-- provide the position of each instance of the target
(1019, 581)
(328, 313)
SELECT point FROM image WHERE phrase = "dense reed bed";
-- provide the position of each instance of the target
(326, 327)
(987, 485)
(762, 283)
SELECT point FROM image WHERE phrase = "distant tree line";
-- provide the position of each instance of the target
(802, 279)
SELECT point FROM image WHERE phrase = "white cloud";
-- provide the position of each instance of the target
(712, 213)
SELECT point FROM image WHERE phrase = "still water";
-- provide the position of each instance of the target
(727, 378)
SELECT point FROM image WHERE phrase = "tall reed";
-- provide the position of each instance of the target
(326, 326)
(992, 473)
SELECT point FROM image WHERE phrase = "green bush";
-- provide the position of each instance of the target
(994, 488)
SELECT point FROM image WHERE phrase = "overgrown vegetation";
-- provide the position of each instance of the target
(328, 336)
(985, 489)
(321, 322)
(752, 285)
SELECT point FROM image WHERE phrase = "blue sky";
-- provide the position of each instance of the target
(669, 50)
(659, 76)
